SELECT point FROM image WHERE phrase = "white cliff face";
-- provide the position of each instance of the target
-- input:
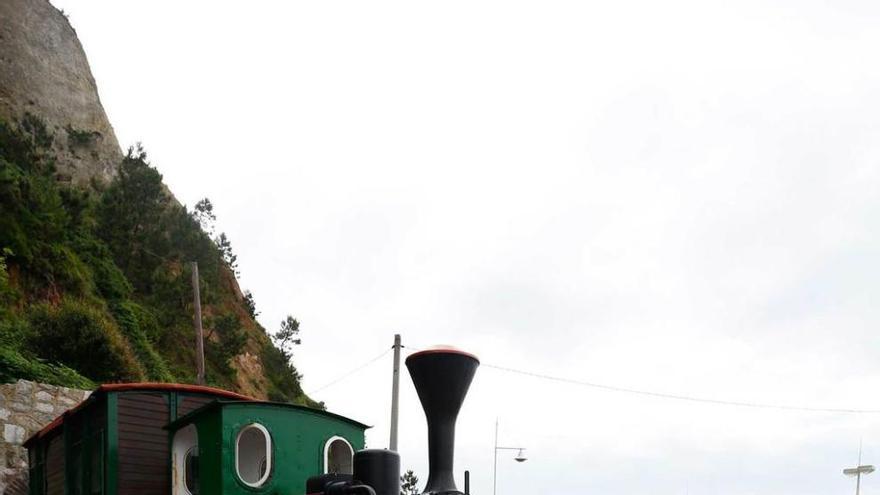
(44, 72)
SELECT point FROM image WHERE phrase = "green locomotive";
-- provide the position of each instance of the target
(160, 439)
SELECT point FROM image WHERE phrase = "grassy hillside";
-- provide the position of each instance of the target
(95, 282)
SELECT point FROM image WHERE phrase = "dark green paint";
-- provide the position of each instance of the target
(112, 446)
(298, 439)
(37, 474)
(209, 429)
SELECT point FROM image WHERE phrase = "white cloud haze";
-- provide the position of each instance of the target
(673, 196)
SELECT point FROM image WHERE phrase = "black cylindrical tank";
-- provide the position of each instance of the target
(379, 469)
(317, 484)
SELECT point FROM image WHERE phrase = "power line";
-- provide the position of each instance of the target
(663, 395)
(351, 372)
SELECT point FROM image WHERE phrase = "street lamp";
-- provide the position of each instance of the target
(520, 457)
(859, 470)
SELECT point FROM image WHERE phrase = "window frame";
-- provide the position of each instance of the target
(269, 454)
(188, 454)
(329, 443)
(183, 441)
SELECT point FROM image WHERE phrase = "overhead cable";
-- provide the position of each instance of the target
(351, 372)
(678, 397)
(688, 398)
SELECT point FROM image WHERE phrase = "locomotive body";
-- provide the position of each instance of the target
(145, 438)
(161, 439)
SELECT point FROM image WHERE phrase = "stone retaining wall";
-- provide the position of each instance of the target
(25, 408)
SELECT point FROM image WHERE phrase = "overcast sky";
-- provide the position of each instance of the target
(680, 197)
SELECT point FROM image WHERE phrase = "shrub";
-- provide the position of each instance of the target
(34, 130)
(6, 290)
(81, 338)
(284, 379)
(13, 330)
(109, 279)
(136, 324)
(129, 218)
(250, 304)
(14, 366)
(80, 137)
(39, 218)
(229, 343)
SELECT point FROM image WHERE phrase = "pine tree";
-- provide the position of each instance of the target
(409, 484)
(286, 337)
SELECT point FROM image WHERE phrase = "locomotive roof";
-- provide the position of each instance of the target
(127, 387)
(187, 418)
(172, 387)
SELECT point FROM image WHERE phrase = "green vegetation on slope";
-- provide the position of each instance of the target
(94, 282)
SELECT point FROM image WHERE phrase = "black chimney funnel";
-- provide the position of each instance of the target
(442, 376)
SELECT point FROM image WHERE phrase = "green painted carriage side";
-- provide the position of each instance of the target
(209, 429)
(298, 434)
(111, 441)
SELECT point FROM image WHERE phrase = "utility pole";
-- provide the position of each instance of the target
(395, 394)
(200, 340)
(495, 469)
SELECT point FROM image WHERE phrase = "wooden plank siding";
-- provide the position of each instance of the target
(55, 466)
(187, 403)
(115, 444)
(144, 455)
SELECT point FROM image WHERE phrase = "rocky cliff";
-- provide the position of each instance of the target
(44, 72)
(99, 259)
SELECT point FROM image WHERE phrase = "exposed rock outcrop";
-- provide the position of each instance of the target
(44, 72)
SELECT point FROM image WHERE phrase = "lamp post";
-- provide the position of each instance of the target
(859, 470)
(520, 457)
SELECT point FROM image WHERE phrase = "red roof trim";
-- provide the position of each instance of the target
(443, 349)
(171, 387)
(145, 386)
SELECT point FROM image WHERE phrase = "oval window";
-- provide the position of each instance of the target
(191, 471)
(338, 456)
(253, 455)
